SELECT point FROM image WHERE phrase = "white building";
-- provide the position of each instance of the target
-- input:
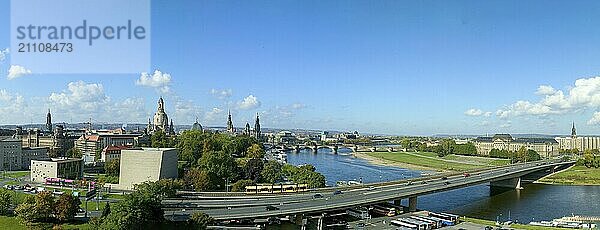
(146, 164)
(64, 168)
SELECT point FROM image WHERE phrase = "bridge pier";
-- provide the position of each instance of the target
(412, 204)
(508, 183)
(398, 202)
(334, 149)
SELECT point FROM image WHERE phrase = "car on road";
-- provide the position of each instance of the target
(424, 182)
(444, 178)
(446, 182)
(409, 183)
(337, 192)
(271, 208)
(466, 174)
(371, 188)
(318, 196)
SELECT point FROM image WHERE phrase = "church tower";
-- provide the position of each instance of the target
(230, 128)
(573, 131)
(49, 121)
(247, 129)
(257, 127)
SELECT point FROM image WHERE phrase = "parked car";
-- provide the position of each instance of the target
(271, 208)
(318, 196)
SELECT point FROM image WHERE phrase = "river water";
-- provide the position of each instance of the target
(533, 202)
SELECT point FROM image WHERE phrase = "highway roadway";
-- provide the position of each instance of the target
(255, 207)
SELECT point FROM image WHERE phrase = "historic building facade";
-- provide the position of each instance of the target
(546, 147)
(578, 143)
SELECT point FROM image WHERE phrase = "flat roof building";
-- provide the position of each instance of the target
(64, 168)
(146, 164)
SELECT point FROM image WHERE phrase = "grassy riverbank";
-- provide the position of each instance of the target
(515, 226)
(430, 161)
(576, 175)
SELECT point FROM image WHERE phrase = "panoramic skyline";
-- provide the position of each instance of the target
(405, 68)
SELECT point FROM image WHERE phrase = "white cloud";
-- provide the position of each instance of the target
(545, 90)
(595, 120)
(474, 112)
(250, 102)
(298, 106)
(158, 80)
(17, 71)
(3, 54)
(5, 96)
(215, 114)
(221, 93)
(80, 96)
(186, 112)
(585, 94)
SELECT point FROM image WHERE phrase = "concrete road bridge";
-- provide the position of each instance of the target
(335, 147)
(228, 206)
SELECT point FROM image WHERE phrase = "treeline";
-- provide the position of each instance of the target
(590, 159)
(445, 147)
(522, 155)
(210, 161)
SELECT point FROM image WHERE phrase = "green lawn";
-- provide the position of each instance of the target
(577, 175)
(13, 223)
(92, 205)
(515, 226)
(423, 161)
(14, 174)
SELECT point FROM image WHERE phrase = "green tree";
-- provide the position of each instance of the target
(219, 166)
(66, 207)
(112, 168)
(38, 208)
(198, 179)
(137, 210)
(160, 189)
(44, 205)
(160, 140)
(74, 153)
(271, 172)
(6, 201)
(190, 145)
(240, 185)
(405, 142)
(200, 220)
(26, 211)
(253, 169)
(255, 151)
(532, 155)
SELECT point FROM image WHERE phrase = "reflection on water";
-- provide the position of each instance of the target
(542, 202)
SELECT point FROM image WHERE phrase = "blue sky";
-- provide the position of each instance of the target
(394, 67)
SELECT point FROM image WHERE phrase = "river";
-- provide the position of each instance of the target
(533, 202)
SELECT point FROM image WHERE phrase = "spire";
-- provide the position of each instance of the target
(230, 123)
(257, 127)
(49, 121)
(573, 131)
